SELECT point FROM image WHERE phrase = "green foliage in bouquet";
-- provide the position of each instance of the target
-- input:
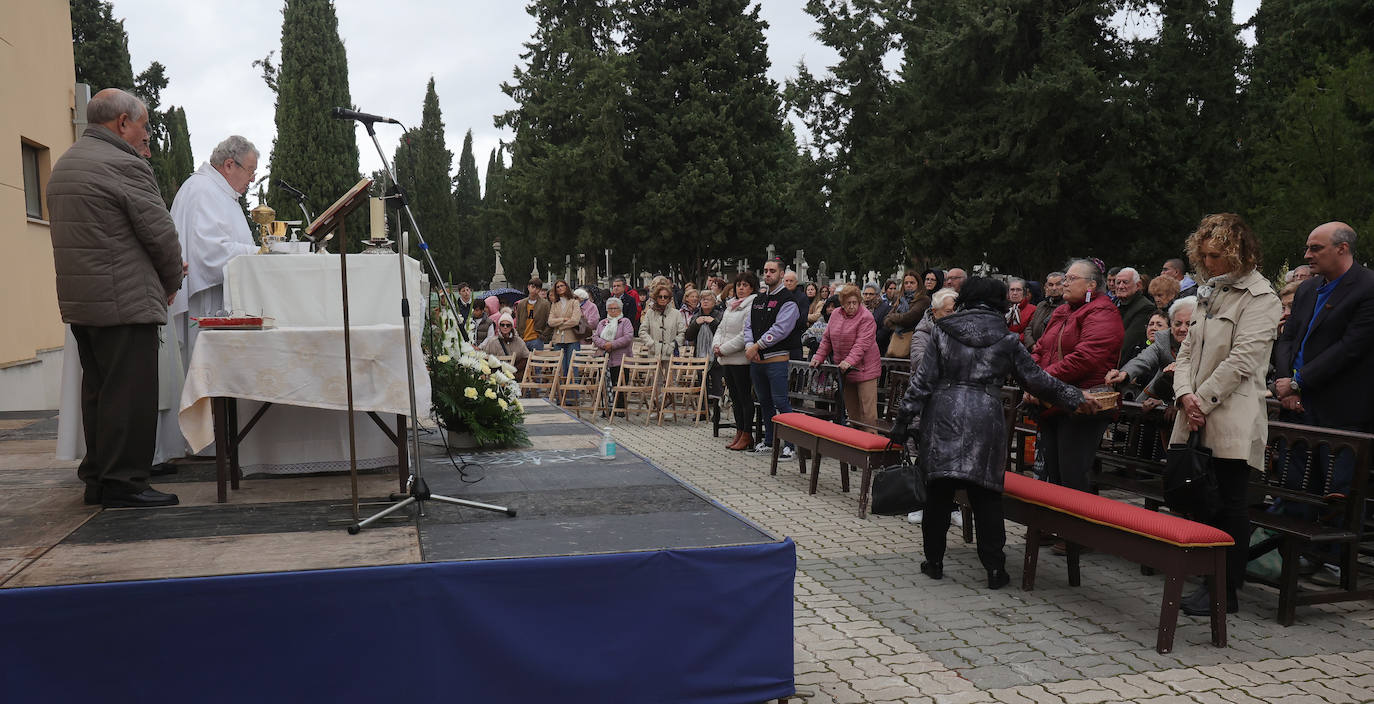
(476, 392)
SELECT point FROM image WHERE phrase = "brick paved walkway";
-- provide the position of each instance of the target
(871, 628)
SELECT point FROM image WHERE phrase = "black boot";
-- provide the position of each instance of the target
(998, 578)
(934, 570)
(1199, 603)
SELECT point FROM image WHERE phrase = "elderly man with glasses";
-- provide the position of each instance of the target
(505, 343)
(213, 229)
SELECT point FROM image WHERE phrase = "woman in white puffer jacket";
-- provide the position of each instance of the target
(729, 349)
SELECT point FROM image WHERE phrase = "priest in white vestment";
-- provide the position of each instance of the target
(213, 230)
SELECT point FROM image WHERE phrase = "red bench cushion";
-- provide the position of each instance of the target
(844, 435)
(1129, 517)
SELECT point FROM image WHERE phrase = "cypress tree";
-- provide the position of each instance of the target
(492, 221)
(422, 169)
(311, 151)
(467, 202)
(177, 161)
(706, 176)
(100, 46)
(562, 191)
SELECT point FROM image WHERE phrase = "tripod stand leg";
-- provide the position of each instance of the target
(353, 529)
(472, 504)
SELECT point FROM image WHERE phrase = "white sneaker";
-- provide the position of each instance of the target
(762, 447)
(956, 519)
(915, 516)
(787, 452)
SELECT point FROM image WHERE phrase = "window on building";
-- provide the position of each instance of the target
(33, 187)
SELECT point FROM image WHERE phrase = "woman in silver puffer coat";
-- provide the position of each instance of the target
(956, 392)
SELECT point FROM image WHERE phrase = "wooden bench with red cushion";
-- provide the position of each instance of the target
(1173, 545)
(851, 446)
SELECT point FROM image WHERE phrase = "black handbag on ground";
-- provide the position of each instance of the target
(1190, 487)
(899, 489)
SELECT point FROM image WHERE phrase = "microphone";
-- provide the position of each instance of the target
(346, 114)
(290, 190)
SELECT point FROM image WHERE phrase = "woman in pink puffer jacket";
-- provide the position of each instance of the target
(851, 339)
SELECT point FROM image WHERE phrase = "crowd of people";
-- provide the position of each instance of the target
(1202, 348)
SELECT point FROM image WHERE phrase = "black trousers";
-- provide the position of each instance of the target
(1233, 478)
(1069, 444)
(741, 394)
(118, 404)
(614, 401)
(988, 525)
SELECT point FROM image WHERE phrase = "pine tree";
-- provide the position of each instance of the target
(1184, 124)
(704, 127)
(148, 86)
(842, 111)
(100, 46)
(312, 152)
(467, 202)
(562, 191)
(999, 130)
(1310, 145)
(422, 169)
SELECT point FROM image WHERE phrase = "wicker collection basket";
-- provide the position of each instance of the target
(1107, 400)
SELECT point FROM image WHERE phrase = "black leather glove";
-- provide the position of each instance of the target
(901, 429)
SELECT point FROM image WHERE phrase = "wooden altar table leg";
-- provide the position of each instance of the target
(402, 453)
(232, 430)
(218, 416)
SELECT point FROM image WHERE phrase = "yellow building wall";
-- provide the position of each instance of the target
(37, 92)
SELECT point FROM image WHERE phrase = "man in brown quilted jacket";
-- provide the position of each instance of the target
(118, 265)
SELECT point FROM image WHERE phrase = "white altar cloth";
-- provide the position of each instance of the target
(300, 370)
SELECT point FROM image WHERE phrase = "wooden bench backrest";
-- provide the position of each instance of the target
(814, 391)
(1301, 461)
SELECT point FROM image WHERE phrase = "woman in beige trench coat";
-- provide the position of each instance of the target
(1219, 377)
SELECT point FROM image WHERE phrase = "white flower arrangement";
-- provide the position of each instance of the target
(475, 391)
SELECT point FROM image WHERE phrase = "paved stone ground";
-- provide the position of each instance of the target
(871, 628)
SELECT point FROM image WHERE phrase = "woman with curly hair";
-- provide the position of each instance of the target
(661, 329)
(1219, 378)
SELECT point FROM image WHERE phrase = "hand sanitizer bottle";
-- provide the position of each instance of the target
(607, 444)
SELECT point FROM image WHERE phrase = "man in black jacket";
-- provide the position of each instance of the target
(1135, 309)
(628, 304)
(1325, 354)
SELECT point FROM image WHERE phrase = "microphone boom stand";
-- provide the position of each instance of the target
(417, 491)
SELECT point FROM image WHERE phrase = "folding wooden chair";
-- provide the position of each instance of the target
(585, 384)
(542, 371)
(638, 376)
(684, 388)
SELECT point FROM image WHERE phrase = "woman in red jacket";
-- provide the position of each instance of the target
(851, 339)
(1081, 344)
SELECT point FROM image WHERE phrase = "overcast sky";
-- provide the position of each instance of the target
(393, 47)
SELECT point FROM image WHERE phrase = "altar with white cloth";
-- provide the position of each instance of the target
(298, 367)
(302, 290)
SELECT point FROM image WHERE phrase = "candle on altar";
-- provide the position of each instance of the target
(378, 212)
